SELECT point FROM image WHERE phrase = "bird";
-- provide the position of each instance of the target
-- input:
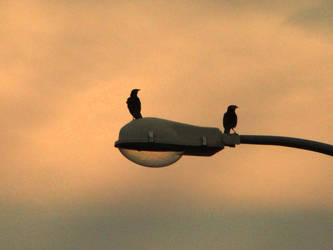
(134, 104)
(230, 119)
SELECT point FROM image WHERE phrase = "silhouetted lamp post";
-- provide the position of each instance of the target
(155, 142)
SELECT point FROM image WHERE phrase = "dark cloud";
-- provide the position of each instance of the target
(318, 18)
(145, 227)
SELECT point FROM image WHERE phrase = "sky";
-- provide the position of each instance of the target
(67, 68)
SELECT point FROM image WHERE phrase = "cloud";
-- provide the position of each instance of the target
(67, 69)
(70, 72)
(318, 18)
(146, 227)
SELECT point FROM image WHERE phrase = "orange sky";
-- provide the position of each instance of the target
(68, 66)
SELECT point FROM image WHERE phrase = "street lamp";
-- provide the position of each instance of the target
(155, 142)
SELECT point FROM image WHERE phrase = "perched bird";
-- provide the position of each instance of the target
(134, 104)
(230, 119)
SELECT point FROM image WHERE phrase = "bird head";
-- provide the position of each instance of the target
(232, 108)
(135, 92)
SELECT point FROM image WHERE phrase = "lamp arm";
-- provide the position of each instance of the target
(287, 142)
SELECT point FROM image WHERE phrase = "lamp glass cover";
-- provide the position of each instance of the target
(151, 158)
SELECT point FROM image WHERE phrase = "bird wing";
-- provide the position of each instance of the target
(134, 105)
(226, 120)
(139, 105)
(235, 121)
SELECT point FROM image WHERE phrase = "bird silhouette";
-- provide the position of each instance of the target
(230, 119)
(134, 104)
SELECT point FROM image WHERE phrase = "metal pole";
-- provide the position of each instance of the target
(288, 142)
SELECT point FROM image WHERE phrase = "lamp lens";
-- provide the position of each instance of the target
(151, 158)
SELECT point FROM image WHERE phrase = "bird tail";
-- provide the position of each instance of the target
(227, 130)
(138, 116)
